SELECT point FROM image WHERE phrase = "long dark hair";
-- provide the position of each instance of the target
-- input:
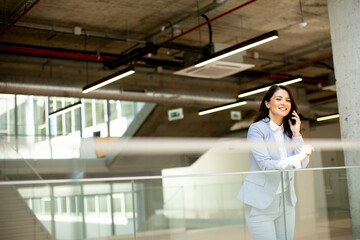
(264, 111)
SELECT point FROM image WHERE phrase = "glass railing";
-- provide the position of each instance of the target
(194, 199)
(201, 207)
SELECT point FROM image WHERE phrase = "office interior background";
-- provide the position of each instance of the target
(138, 158)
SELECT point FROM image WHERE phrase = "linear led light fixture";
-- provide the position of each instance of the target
(267, 37)
(65, 109)
(222, 107)
(264, 89)
(324, 118)
(112, 78)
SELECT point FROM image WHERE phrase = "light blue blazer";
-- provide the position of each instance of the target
(259, 189)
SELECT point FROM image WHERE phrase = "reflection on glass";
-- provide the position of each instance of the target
(7, 120)
(114, 107)
(88, 115)
(40, 116)
(40, 137)
(59, 119)
(179, 207)
(23, 104)
(100, 111)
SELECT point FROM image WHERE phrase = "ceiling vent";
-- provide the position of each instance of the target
(215, 70)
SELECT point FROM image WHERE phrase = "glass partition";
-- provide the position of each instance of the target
(187, 199)
(323, 210)
(188, 207)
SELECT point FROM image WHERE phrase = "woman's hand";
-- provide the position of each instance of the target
(306, 151)
(296, 127)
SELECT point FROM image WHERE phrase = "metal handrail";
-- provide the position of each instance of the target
(121, 179)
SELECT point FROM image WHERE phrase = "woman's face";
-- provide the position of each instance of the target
(279, 105)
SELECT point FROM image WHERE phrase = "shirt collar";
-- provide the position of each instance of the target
(275, 127)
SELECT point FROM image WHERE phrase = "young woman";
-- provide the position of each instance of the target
(270, 202)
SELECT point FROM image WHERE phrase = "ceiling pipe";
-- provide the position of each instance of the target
(167, 99)
(203, 10)
(305, 64)
(83, 55)
(132, 56)
(60, 88)
(159, 62)
(92, 56)
(19, 17)
(211, 20)
(64, 30)
(109, 62)
(288, 60)
(120, 38)
(324, 99)
(138, 53)
(108, 36)
(275, 75)
(63, 88)
(151, 48)
(304, 79)
(43, 61)
(209, 28)
(202, 50)
(54, 53)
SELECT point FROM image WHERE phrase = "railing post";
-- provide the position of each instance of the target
(52, 198)
(83, 211)
(108, 117)
(16, 124)
(80, 120)
(49, 126)
(112, 210)
(134, 209)
(283, 201)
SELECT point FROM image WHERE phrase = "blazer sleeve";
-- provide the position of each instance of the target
(262, 156)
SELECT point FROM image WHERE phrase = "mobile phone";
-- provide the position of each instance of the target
(293, 121)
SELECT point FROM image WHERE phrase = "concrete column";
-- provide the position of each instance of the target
(345, 37)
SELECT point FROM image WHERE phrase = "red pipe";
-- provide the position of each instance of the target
(55, 53)
(211, 20)
(274, 75)
(324, 99)
(271, 75)
(19, 17)
(73, 55)
(305, 64)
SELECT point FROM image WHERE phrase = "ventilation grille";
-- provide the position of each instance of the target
(215, 70)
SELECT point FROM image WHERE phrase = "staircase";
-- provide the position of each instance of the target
(17, 221)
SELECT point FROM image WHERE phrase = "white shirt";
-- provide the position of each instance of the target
(279, 137)
(279, 140)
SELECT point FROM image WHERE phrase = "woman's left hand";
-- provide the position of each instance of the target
(296, 127)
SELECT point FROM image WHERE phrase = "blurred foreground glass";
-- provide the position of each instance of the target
(194, 197)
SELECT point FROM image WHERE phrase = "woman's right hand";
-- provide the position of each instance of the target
(306, 151)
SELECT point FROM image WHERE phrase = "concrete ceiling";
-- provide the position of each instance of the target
(41, 54)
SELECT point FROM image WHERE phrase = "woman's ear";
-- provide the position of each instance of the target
(267, 104)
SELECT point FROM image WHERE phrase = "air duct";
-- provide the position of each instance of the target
(215, 70)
